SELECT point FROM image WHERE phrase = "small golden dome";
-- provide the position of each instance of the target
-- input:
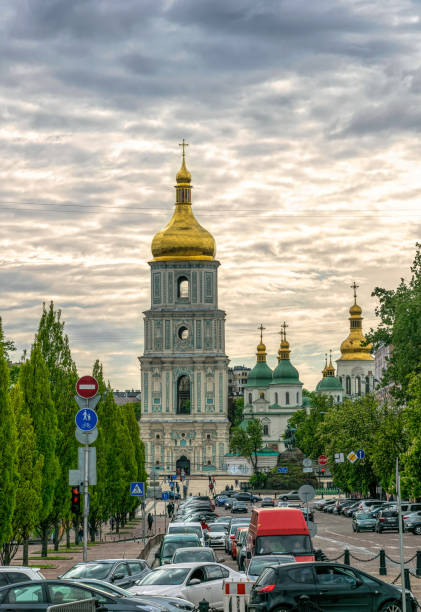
(355, 310)
(183, 238)
(354, 347)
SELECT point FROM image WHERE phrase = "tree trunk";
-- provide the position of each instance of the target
(56, 535)
(6, 556)
(44, 541)
(25, 552)
(68, 543)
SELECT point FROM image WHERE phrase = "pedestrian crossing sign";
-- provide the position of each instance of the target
(137, 488)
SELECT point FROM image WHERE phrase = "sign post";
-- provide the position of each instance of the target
(138, 489)
(86, 421)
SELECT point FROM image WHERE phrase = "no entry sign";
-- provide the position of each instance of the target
(87, 387)
(322, 460)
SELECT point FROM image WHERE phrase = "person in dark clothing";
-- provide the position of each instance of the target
(150, 521)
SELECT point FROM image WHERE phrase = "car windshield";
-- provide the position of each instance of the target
(184, 556)
(257, 565)
(293, 544)
(186, 529)
(88, 570)
(217, 527)
(165, 576)
(169, 548)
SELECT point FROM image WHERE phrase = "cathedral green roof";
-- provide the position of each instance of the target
(260, 376)
(329, 383)
(285, 374)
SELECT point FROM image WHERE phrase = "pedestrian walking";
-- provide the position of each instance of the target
(150, 522)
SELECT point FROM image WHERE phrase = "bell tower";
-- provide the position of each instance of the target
(184, 368)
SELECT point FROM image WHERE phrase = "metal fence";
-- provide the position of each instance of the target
(86, 605)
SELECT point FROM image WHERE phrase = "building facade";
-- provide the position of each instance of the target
(237, 380)
(355, 367)
(184, 368)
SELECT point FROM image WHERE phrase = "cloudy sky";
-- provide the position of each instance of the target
(303, 120)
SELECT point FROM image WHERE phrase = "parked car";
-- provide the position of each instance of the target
(238, 506)
(191, 581)
(260, 562)
(171, 543)
(329, 504)
(246, 497)
(363, 521)
(10, 574)
(37, 595)
(349, 510)
(220, 500)
(308, 513)
(408, 507)
(242, 550)
(324, 586)
(341, 504)
(216, 534)
(319, 503)
(195, 528)
(289, 496)
(172, 604)
(369, 504)
(268, 502)
(235, 522)
(123, 572)
(191, 555)
(234, 545)
(387, 520)
(412, 522)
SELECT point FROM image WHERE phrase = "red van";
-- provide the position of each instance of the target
(279, 530)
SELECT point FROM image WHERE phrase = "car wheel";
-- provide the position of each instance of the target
(391, 606)
(285, 498)
(417, 530)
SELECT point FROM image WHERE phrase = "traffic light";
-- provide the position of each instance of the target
(322, 471)
(76, 500)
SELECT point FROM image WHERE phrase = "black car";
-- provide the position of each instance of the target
(41, 594)
(123, 572)
(246, 497)
(324, 586)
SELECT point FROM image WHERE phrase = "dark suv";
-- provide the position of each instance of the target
(387, 520)
(323, 586)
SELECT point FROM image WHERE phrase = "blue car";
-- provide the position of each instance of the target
(220, 500)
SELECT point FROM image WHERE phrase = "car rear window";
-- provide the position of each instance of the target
(186, 529)
(266, 577)
(88, 570)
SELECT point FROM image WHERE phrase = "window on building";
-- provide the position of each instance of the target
(183, 395)
(358, 385)
(157, 462)
(262, 395)
(209, 462)
(367, 384)
(157, 436)
(183, 333)
(287, 397)
(348, 385)
(183, 287)
(208, 437)
(250, 398)
(265, 430)
(338, 399)
(276, 398)
(298, 398)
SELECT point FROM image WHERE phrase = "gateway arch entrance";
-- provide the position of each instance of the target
(183, 464)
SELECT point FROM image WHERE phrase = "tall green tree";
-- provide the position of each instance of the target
(400, 327)
(29, 465)
(34, 382)
(306, 434)
(63, 376)
(248, 442)
(411, 459)
(140, 474)
(7, 450)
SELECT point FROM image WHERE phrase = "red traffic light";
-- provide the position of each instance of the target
(75, 500)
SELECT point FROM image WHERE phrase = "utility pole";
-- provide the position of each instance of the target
(85, 503)
(402, 560)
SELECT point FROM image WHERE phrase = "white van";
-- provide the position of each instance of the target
(195, 528)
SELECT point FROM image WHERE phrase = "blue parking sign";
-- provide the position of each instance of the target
(165, 496)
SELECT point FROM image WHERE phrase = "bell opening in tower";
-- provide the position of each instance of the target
(183, 395)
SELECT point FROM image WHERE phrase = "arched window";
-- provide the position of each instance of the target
(182, 287)
(250, 398)
(298, 398)
(287, 397)
(358, 385)
(262, 395)
(276, 398)
(338, 400)
(348, 385)
(183, 395)
(367, 384)
(265, 430)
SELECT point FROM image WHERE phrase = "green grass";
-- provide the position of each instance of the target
(45, 566)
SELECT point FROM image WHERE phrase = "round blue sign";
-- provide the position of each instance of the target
(86, 419)
(360, 453)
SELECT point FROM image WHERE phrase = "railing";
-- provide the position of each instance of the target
(86, 605)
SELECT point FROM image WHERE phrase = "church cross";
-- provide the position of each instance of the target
(261, 328)
(183, 144)
(354, 286)
(284, 327)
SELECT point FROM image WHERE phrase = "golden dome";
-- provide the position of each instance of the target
(183, 238)
(261, 347)
(284, 351)
(354, 348)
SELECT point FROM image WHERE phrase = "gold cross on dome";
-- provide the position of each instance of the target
(354, 286)
(261, 328)
(183, 144)
(284, 327)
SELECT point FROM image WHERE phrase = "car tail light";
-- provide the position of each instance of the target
(381, 520)
(232, 537)
(405, 517)
(266, 589)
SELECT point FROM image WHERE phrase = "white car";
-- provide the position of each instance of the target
(216, 534)
(202, 554)
(191, 581)
(12, 573)
(196, 528)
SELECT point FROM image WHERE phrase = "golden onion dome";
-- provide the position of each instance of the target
(355, 347)
(183, 238)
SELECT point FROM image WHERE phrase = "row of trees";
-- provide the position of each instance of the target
(386, 428)
(38, 444)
